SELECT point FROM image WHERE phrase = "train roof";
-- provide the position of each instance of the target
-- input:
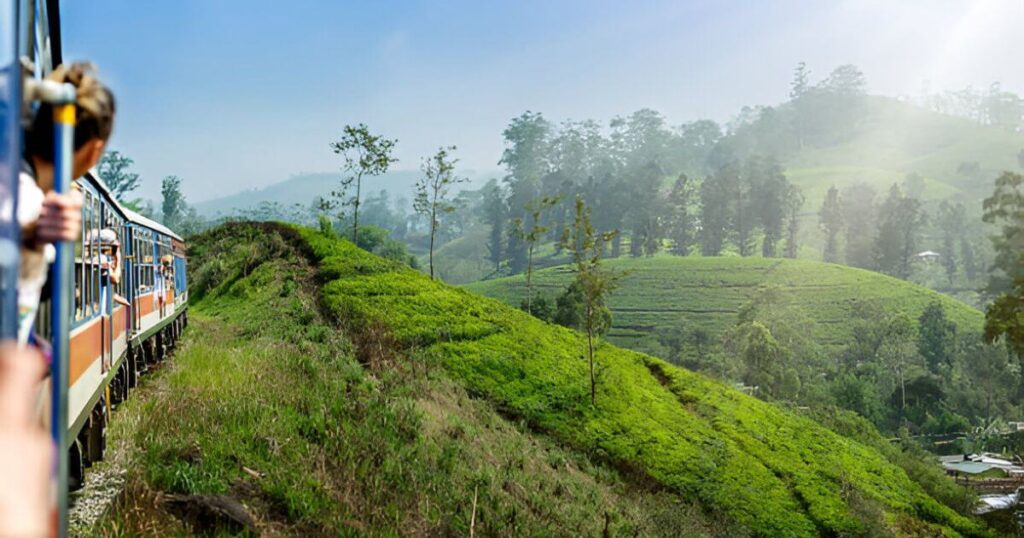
(93, 177)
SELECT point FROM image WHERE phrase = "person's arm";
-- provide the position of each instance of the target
(60, 219)
(25, 450)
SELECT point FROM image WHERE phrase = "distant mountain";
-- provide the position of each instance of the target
(303, 188)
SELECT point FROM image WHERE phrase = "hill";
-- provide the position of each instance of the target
(668, 293)
(433, 410)
(303, 188)
(894, 138)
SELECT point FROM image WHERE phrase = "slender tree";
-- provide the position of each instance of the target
(530, 235)
(432, 191)
(830, 219)
(173, 207)
(1004, 318)
(365, 154)
(594, 282)
(715, 209)
(936, 338)
(527, 159)
(495, 214)
(899, 227)
(770, 202)
(113, 169)
(860, 219)
(951, 221)
(681, 222)
(794, 202)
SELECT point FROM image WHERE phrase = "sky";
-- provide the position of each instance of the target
(232, 95)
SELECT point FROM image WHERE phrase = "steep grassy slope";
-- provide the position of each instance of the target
(669, 293)
(266, 402)
(764, 468)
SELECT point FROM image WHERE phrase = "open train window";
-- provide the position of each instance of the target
(87, 272)
(94, 254)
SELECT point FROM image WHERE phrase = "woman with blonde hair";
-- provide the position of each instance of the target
(46, 217)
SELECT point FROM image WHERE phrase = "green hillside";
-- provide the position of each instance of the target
(430, 410)
(893, 139)
(267, 403)
(668, 293)
(764, 468)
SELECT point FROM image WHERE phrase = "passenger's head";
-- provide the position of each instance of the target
(94, 117)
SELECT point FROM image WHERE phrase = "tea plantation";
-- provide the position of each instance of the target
(668, 293)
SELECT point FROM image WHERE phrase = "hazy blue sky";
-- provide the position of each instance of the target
(237, 94)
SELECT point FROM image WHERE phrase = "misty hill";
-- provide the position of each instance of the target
(668, 293)
(303, 188)
(956, 156)
(384, 435)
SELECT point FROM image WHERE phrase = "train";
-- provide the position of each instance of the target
(121, 324)
(130, 273)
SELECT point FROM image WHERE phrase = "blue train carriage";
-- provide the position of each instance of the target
(130, 306)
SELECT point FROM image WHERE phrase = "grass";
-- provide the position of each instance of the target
(268, 402)
(668, 293)
(768, 470)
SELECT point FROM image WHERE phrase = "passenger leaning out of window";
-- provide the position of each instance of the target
(46, 217)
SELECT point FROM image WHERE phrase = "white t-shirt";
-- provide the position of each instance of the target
(34, 262)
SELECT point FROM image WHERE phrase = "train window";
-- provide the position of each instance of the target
(79, 269)
(95, 258)
(86, 291)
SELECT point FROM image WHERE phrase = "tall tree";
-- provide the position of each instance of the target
(113, 169)
(794, 203)
(741, 208)
(770, 192)
(594, 282)
(365, 154)
(530, 234)
(801, 81)
(681, 221)
(936, 340)
(951, 220)
(173, 207)
(715, 209)
(859, 217)
(830, 219)
(432, 191)
(495, 214)
(898, 352)
(1004, 318)
(900, 223)
(527, 159)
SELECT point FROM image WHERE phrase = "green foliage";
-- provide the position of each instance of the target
(936, 338)
(173, 207)
(113, 169)
(364, 154)
(266, 400)
(432, 191)
(762, 467)
(1005, 208)
(665, 293)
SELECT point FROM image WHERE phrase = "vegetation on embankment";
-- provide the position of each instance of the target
(267, 403)
(764, 468)
(432, 401)
(669, 293)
